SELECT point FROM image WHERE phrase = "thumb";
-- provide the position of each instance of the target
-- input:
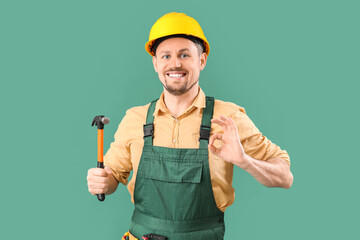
(108, 170)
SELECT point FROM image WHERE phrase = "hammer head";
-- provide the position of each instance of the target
(99, 121)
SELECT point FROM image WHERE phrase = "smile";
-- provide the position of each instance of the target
(176, 75)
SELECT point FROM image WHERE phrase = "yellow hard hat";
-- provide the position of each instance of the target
(175, 23)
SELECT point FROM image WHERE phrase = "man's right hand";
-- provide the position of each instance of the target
(99, 180)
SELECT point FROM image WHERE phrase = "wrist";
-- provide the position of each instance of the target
(244, 162)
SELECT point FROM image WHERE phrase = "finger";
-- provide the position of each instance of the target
(227, 120)
(218, 121)
(95, 179)
(233, 124)
(108, 170)
(98, 172)
(214, 137)
(214, 150)
(223, 118)
(96, 186)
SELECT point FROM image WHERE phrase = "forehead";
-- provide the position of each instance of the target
(176, 44)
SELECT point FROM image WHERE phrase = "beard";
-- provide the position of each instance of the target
(179, 90)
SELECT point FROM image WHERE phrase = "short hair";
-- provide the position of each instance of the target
(199, 43)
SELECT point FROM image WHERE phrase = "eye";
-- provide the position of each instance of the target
(166, 57)
(184, 55)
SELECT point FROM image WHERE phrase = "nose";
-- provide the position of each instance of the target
(176, 62)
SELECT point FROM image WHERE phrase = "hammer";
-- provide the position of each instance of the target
(100, 121)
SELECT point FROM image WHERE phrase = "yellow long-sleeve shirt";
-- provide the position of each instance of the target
(124, 153)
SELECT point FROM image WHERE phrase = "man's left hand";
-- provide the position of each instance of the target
(232, 150)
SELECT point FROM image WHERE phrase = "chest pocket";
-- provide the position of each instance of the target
(170, 187)
(171, 171)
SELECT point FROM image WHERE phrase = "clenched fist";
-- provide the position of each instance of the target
(101, 181)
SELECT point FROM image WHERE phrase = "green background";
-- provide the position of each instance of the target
(293, 65)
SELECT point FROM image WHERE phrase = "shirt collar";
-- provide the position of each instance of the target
(199, 102)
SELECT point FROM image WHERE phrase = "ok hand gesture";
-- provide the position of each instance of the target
(231, 151)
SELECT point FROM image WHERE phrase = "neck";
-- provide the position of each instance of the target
(178, 104)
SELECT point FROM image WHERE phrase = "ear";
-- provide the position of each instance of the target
(203, 59)
(154, 63)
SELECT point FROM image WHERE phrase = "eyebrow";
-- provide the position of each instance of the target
(184, 49)
(181, 50)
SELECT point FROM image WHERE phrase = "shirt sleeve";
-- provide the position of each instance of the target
(118, 157)
(255, 144)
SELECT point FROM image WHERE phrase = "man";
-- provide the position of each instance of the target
(182, 147)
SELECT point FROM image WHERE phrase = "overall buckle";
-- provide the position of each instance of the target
(148, 130)
(205, 132)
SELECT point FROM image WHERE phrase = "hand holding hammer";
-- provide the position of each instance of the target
(100, 180)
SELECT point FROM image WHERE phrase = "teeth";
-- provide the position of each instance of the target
(175, 75)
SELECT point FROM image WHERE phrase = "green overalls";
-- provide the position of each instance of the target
(173, 193)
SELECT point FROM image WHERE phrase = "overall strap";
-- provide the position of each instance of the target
(205, 127)
(149, 126)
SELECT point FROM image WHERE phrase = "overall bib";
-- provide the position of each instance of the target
(173, 193)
